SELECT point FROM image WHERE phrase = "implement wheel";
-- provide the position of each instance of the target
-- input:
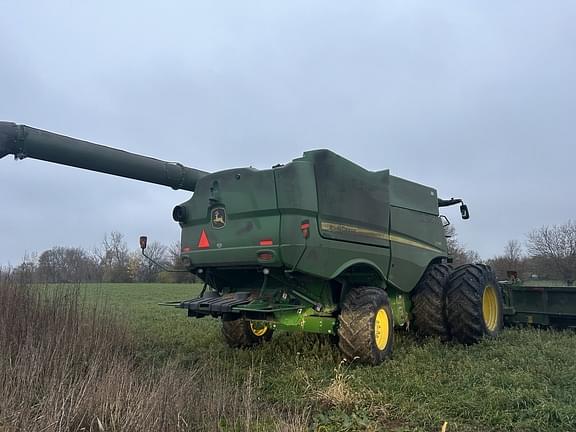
(429, 302)
(365, 325)
(474, 304)
(240, 333)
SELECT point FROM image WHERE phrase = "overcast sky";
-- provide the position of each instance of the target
(475, 98)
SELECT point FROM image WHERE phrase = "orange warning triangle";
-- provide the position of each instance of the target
(203, 242)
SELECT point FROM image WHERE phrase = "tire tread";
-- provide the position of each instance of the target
(355, 330)
(429, 302)
(464, 302)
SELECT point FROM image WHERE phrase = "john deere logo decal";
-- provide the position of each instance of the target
(218, 216)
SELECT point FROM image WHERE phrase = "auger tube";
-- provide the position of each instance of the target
(24, 141)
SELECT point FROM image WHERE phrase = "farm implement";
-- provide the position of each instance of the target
(540, 303)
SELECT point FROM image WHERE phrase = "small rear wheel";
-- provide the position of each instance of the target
(366, 326)
(474, 305)
(240, 332)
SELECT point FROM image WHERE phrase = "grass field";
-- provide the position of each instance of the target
(525, 380)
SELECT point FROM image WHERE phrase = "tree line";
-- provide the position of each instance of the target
(548, 252)
(112, 261)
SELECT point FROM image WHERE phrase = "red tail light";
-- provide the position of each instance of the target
(305, 228)
(266, 242)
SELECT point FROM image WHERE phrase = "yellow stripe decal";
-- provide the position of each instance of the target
(414, 243)
(381, 235)
(351, 229)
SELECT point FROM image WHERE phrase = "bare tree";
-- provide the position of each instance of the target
(145, 270)
(26, 272)
(114, 258)
(457, 251)
(512, 259)
(513, 251)
(555, 246)
(65, 264)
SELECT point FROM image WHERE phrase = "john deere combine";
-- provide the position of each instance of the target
(318, 245)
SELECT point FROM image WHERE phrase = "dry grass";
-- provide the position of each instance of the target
(338, 393)
(524, 380)
(66, 365)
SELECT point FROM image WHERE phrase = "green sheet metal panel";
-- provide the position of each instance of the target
(541, 304)
(246, 200)
(353, 203)
(417, 239)
(297, 204)
(413, 196)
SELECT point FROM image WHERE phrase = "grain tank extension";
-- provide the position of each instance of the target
(318, 244)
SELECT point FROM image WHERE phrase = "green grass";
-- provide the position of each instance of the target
(525, 380)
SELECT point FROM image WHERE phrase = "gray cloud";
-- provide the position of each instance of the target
(475, 98)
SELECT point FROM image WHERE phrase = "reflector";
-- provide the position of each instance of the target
(265, 256)
(203, 242)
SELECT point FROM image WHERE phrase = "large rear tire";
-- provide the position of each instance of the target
(240, 333)
(474, 305)
(429, 302)
(366, 326)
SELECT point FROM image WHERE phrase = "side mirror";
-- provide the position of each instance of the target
(464, 212)
(143, 242)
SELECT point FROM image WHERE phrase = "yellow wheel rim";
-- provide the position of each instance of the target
(490, 308)
(381, 329)
(258, 329)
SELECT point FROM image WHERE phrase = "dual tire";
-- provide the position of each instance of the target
(428, 302)
(464, 304)
(474, 306)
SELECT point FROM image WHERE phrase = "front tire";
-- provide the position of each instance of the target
(474, 305)
(429, 302)
(241, 333)
(366, 326)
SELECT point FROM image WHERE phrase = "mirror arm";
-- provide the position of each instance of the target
(143, 245)
(449, 202)
(162, 266)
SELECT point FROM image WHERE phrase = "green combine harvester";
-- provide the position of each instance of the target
(317, 245)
